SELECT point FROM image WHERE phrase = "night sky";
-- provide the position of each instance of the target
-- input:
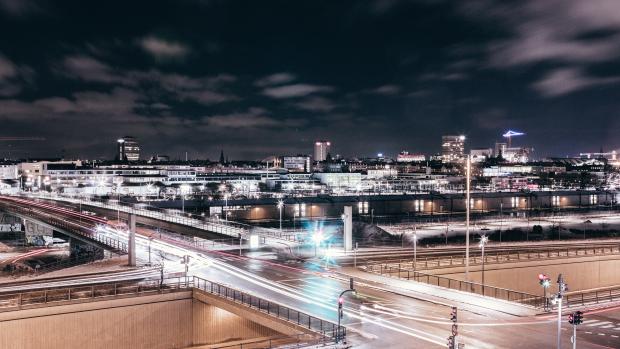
(260, 78)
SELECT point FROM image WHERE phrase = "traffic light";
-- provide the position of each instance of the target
(340, 303)
(578, 318)
(571, 318)
(543, 280)
(351, 284)
(451, 342)
(453, 314)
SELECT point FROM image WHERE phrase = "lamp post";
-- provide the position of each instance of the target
(226, 207)
(415, 247)
(150, 239)
(562, 287)
(280, 206)
(501, 219)
(483, 241)
(467, 206)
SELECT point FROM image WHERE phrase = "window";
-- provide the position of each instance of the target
(555, 200)
(593, 199)
(514, 202)
(300, 210)
(362, 207)
(472, 204)
(418, 205)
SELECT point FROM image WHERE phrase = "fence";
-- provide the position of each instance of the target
(224, 227)
(466, 286)
(325, 328)
(592, 297)
(498, 257)
(44, 297)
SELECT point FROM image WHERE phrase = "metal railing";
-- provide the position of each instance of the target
(115, 245)
(499, 257)
(592, 297)
(453, 284)
(53, 296)
(224, 227)
(50, 296)
(325, 328)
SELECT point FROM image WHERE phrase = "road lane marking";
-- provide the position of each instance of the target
(599, 323)
(608, 326)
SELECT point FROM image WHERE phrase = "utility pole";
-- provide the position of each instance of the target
(467, 204)
(562, 287)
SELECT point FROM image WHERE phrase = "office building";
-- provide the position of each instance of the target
(299, 163)
(128, 149)
(452, 148)
(321, 149)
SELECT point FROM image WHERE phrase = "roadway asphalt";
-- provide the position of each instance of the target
(377, 318)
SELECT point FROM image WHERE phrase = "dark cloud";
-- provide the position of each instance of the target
(264, 78)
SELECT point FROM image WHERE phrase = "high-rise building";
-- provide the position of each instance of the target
(452, 148)
(321, 149)
(128, 149)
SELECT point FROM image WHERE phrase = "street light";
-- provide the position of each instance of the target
(483, 241)
(415, 247)
(280, 206)
(226, 207)
(317, 237)
(184, 189)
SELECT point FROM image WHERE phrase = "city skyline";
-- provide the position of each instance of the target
(270, 79)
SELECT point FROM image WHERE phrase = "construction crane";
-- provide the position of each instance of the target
(509, 134)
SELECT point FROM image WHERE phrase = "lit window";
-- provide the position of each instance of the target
(418, 205)
(593, 199)
(555, 200)
(362, 207)
(514, 202)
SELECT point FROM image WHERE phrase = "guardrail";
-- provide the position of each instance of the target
(499, 257)
(115, 245)
(51, 296)
(54, 296)
(453, 284)
(324, 327)
(224, 227)
(592, 297)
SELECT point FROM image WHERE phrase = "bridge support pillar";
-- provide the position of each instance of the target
(347, 217)
(131, 244)
(38, 235)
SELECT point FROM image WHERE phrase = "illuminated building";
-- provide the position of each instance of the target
(452, 148)
(128, 149)
(321, 149)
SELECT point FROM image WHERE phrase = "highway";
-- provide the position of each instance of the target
(379, 316)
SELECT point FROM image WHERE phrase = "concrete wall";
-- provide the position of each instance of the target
(581, 273)
(174, 320)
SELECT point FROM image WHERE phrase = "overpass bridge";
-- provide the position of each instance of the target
(148, 214)
(162, 313)
(74, 224)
